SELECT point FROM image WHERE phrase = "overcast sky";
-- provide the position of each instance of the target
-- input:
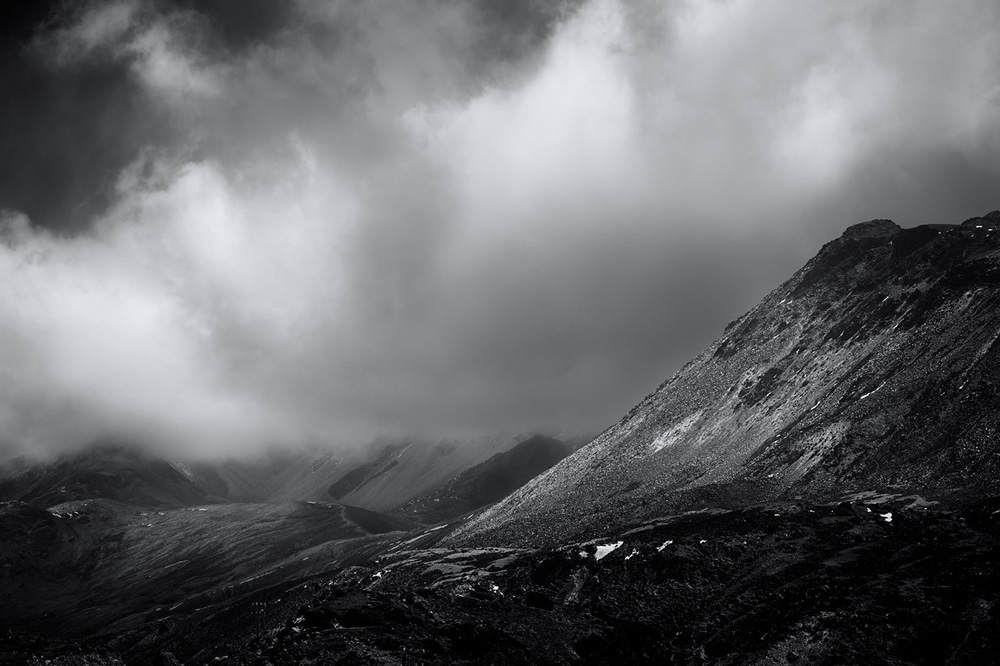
(229, 224)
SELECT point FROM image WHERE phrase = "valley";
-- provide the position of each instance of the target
(820, 486)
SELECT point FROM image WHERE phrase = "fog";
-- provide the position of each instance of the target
(229, 227)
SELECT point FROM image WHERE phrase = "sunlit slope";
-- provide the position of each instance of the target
(876, 365)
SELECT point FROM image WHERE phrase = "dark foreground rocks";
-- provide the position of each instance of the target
(869, 579)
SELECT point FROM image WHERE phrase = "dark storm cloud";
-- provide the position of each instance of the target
(335, 219)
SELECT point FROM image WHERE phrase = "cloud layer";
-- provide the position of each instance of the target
(360, 218)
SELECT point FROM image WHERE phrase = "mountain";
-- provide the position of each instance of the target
(818, 487)
(111, 471)
(488, 481)
(381, 477)
(397, 471)
(875, 367)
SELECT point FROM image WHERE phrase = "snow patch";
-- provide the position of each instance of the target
(870, 392)
(665, 544)
(887, 517)
(607, 549)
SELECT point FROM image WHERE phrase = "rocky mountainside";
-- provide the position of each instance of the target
(876, 366)
(819, 487)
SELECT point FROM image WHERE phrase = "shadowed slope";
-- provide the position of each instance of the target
(98, 564)
(489, 481)
(112, 472)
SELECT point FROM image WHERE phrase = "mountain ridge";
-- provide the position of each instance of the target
(871, 367)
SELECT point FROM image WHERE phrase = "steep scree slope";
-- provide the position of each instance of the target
(875, 366)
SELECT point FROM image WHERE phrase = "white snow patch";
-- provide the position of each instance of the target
(870, 392)
(887, 517)
(701, 541)
(634, 552)
(665, 544)
(607, 549)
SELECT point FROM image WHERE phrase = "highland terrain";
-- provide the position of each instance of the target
(818, 487)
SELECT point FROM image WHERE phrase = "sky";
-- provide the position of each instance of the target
(229, 225)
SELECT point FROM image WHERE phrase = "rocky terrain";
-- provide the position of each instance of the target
(820, 486)
(876, 366)
(870, 579)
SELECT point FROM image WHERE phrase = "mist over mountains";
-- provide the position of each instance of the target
(232, 227)
(829, 463)
(279, 283)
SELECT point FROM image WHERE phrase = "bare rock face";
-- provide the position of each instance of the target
(875, 366)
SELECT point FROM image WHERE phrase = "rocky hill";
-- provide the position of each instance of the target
(876, 366)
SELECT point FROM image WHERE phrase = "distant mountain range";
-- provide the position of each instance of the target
(384, 476)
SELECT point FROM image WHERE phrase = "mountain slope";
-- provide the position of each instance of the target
(403, 470)
(874, 366)
(110, 471)
(93, 565)
(489, 481)
(848, 422)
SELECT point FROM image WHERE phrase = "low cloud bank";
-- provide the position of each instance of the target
(453, 218)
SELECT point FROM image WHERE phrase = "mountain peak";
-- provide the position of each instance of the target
(873, 367)
(872, 229)
(990, 219)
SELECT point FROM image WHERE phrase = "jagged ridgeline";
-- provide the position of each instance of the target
(876, 366)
